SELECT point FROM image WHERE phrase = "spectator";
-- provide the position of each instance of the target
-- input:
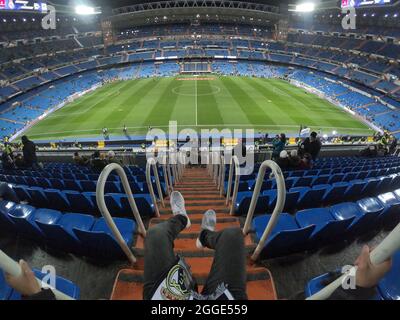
(97, 162)
(307, 162)
(80, 160)
(19, 161)
(311, 145)
(283, 160)
(29, 151)
(111, 157)
(7, 158)
(278, 145)
(393, 144)
(294, 160)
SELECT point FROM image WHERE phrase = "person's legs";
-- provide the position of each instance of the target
(159, 251)
(229, 266)
(159, 244)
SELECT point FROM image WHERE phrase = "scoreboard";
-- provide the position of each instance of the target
(364, 3)
(28, 5)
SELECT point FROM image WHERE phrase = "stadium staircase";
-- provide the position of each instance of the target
(201, 194)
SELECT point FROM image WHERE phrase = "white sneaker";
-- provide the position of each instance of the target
(178, 206)
(208, 222)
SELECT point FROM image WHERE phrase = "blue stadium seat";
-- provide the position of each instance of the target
(61, 234)
(6, 223)
(318, 283)
(101, 243)
(22, 193)
(88, 185)
(371, 187)
(57, 199)
(79, 202)
(287, 237)
(38, 197)
(243, 203)
(336, 192)
(354, 189)
(322, 179)
(389, 286)
(391, 214)
(21, 215)
(291, 199)
(62, 285)
(5, 289)
(327, 228)
(303, 182)
(57, 184)
(309, 197)
(72, 185)
(363, 222)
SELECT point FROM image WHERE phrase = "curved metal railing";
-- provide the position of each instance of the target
(106, 214)
(151, 163)
(234, 161)
(11, 267)
(280, 203)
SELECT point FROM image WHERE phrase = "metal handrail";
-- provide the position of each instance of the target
(216, 167)
(11, 267)
(280, 203)
(151, 163)
(386, 249)
(234, 161)
(221, 184)
(106, 214)
(167, 177)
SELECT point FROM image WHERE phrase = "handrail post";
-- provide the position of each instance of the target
(280, 203)
(168, 183)
(11, 267)
(222, 177)
(234, 163)
(151, 163)
(106, 214)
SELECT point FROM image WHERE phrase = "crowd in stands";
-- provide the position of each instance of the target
(301, 159)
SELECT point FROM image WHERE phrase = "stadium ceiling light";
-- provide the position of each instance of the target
(86, 10)
(305, 7)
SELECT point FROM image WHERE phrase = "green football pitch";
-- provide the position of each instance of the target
(266, 105)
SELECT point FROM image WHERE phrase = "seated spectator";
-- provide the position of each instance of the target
(80, 160)
(111, 158)
(294, 160)
(311, 145)
(97, 162)
(283, 160)
(278, 145)
(7, 157)
(19, 162)
(307, 162)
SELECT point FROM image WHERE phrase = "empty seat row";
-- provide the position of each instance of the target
(312, 228)
(84, 202)
(70, 232)
(308, 181)
(76, 185)
(307, 197)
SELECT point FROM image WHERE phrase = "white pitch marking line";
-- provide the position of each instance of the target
(196, 103)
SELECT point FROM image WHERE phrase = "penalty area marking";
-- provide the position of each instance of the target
(215, 90)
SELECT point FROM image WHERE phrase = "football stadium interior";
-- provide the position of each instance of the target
(281, 116)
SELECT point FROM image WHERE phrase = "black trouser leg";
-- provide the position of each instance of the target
(229, 266)
(159, 251)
